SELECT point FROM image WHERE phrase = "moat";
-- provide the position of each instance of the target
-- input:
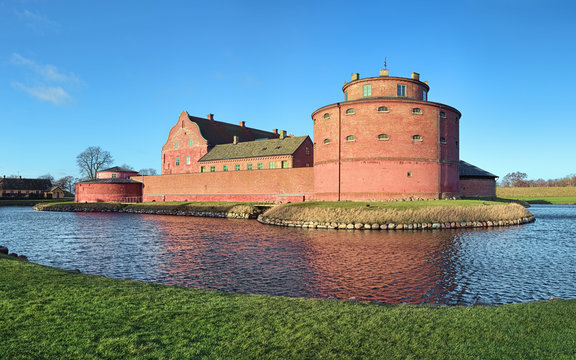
(489, 266)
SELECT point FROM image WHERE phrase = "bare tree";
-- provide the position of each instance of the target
(48, 177)
(92, 160)
(148, 171)
(126, 166)
(66, 183)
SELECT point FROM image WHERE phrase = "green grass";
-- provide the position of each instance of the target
(30, 202)
(53, 314)
(539, 195)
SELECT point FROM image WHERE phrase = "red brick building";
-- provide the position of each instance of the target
(384, 141)
(111, 185)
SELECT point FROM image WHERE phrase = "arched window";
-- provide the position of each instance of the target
(383, 109)
(326, 141)
(350, 138)
(326, 116)
(417, 111)
(350, 111)
(383, 137)
(417, 137)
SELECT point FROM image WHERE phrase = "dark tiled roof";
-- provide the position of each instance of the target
(25, 184)
(119, 169)
(111, 181)
(469, 170)
(260, 148)
(216, 132)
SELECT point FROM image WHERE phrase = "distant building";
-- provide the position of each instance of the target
(385, 140)
(18, 188)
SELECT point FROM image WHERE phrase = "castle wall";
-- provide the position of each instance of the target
(478, 187)
(277, 185)
(108, 192)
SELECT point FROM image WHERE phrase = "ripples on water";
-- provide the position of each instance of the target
(496, 266)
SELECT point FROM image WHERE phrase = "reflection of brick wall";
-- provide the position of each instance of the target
(108, 192)
(478, 187)
(278, 185)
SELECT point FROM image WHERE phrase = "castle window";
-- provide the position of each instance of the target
(202, 169)
(113, 176)
(225, 168)
(401, 90)
(442, 114)
(383, 137)
(442, 140)
(424, 95)
(383, 109)
(260, 166)
(212, 168)
(326, 141)
(350, 111)
(409, 174)
(417, 137)
(249, 166)
(175, 144)
(417, 111)
(177, 161)
(237, 167)
(346, 96)
(367, 89)
(187, 160)
(284, 164)
(272, 165)
(350, 138)
(190, 142)
(326, 116)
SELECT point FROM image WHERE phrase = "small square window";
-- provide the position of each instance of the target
(177, 161)
(383, 109)
(417, 111)
(212, 168)
(237, 167)
(442, 140)
(409, 174)
(113, 176)
(202, 169)
(260, 166)
(249, 166)
(272, 165)
(225, 168)
(350, 111)
(284, 164)
(442, 114)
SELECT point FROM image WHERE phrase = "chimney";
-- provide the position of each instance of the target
(282, 134)
(355, 76)
(384, 72)
(415, 76)
(211, 117)
(242, 123)
(235, 140)
(275, 131)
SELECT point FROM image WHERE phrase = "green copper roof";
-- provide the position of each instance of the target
(258, 148)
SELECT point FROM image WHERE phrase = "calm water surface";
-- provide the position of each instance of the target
(505, 265)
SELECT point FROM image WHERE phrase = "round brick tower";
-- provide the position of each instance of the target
(386, 141)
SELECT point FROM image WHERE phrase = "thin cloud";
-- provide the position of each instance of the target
(55, 95)
(47, 72)
(37, 21)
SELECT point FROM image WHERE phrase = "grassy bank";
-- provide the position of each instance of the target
(173, 208)
(49, 313)
(30, 202)
(539, 195)
(408, 212)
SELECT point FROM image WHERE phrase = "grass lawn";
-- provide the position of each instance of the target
(53, 314)
(539, 195)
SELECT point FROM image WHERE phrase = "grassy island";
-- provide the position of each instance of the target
(413, 214)
(49, 313)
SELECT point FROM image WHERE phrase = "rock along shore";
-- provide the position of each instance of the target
(393, 226)
(152, 210)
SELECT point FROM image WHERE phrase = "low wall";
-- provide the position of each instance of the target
(477, 188)
(275, 185)
(108, 192)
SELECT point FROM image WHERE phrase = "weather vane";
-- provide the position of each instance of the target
(385, 63)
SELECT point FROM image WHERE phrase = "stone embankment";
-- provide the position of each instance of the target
(153, 210)
(393, 226)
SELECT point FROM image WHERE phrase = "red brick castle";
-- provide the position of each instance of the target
(384, 141)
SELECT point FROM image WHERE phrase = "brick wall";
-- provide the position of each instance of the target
(277, 185)
(478, 187)
(108, 192)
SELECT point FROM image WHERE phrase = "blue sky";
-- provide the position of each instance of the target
(117, 74)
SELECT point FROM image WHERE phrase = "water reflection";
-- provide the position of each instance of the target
(530, 262)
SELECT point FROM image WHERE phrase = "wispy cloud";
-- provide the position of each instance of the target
(47, 72)
(55, 95)
(47, 81)
(37, 21)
